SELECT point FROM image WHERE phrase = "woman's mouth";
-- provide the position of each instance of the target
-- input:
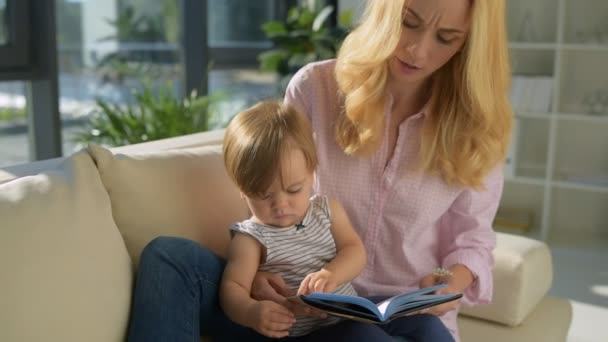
(408, 66)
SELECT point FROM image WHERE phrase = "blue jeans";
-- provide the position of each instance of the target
(176, 299)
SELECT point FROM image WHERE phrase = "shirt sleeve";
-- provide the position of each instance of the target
(468, 236)
(298, 92)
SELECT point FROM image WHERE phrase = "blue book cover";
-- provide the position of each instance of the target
(364, 309)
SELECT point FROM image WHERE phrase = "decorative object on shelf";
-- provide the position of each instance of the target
(596, 102)
(514, 219)
(526, 31)
(597, 34)
(511, 158)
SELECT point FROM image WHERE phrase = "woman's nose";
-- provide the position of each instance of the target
(418, 49)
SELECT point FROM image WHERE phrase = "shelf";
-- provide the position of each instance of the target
(532, 21)
(556, 166)
(526, 180)
(585, 21)
(575, 212)
(532, 233)
(532, 46)
(596, 118)
(585, 47)
(576, 241)
(531, 115)
(582, 83)
(570, 185)
(532, 62)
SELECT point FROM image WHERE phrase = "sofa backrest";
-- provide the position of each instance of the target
(183, 192)
(65, 272)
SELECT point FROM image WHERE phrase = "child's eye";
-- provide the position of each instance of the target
(264, 197)
(294, 191)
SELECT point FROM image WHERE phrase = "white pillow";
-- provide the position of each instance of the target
(183, 193)
(65, 272)
(522, 276)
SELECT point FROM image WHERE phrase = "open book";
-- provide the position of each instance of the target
(362, 309)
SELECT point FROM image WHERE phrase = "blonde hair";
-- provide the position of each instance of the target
(258, 137)
(468, 123)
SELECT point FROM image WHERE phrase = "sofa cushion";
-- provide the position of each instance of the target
(549, 321)
(522, 276)
(66, 274)
(183, 193)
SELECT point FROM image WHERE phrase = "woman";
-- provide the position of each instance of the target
(411, 125)
(414, 145)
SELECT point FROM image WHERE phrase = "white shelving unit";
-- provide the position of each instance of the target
(560, 155)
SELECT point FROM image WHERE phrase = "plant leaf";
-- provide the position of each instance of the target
(322, 17)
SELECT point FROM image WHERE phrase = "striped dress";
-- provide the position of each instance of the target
(294, 252)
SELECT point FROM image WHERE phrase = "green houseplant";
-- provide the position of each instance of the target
(303, 37)
(155, 114)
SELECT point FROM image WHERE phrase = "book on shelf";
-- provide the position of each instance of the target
(520, 220)
(531, 93)
(363, 309)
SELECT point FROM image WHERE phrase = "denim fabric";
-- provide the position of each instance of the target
(176, 299)
(176, 295)
(415, 328)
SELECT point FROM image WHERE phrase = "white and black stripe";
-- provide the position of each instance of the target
(293, 252)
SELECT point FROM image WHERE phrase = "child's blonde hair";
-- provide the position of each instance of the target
(468, 124)
(257, 138)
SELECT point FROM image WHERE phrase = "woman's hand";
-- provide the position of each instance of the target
(270, 319)
(271, 286)
(458, 281)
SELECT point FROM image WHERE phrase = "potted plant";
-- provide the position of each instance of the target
(305, 36)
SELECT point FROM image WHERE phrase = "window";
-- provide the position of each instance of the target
(14, 36)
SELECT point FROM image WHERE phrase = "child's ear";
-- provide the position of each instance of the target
(242, 195)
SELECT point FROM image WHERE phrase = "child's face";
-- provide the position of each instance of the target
(286, 200)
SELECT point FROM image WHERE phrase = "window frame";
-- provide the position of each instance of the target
(15, 54)
(244, 54)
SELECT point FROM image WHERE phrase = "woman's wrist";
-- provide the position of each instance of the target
(461, 277)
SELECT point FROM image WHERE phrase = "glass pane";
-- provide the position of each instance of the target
(237, 22)
(108, 50)
(239, 89)
(13, 124)
(3, 21)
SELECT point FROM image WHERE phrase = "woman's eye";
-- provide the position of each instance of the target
(264, 197)
(294, 191)
(443, 40)
(409, 24)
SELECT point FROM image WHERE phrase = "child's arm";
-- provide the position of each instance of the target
(266, 317)
(350, 256)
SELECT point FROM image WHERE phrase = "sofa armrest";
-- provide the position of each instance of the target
(522, 276)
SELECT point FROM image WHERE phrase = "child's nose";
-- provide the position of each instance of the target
(280, 202)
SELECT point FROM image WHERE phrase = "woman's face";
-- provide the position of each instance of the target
(432, 32)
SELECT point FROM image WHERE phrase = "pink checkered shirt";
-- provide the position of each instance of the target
(410, 222)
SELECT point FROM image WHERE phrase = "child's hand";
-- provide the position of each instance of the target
(271, 319)
(320, 281)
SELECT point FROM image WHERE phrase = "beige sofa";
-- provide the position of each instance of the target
(72, 229)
